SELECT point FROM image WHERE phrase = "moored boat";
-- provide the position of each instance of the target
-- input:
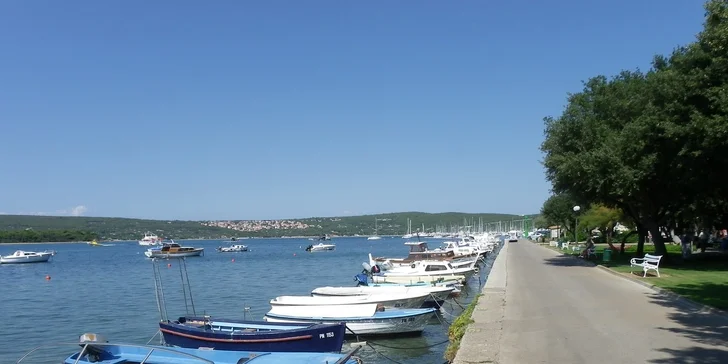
(21, 256)
(361, 319)
(436, 295)
(150, 239)
(320, 247)
(95, 349)
(173, 250)
(233, 248)
(224, 334)
(389, 300)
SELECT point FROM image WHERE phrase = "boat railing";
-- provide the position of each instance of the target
(86, 346)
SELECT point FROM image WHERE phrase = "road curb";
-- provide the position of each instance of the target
(699, 307)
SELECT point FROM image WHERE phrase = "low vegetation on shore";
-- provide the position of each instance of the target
(457, 330)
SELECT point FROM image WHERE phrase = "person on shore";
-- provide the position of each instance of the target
(589, 246)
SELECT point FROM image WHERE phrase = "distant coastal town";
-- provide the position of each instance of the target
(261, 225)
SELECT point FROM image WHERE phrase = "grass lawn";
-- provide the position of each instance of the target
(702, 278)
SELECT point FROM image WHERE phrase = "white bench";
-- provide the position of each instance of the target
(648, 262)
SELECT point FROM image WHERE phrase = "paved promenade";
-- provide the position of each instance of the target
(542, 307)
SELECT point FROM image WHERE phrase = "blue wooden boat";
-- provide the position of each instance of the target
(239, 335)
(95, 350)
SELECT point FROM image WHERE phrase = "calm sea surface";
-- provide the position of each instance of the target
(110, 291)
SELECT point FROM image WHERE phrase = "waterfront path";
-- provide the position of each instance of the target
(542, 307)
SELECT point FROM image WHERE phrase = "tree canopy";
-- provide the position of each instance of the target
(648, 143)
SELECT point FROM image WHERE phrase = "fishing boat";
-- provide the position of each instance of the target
(436, 295)
(97, 350)
(21, 256)
(415, 279)
(320, 247)
(400, 300)
(150, 239)
(361, 319)
(224, 334)
(233, 248)
(173, 250)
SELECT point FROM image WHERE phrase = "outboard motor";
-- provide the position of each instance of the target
(361, 279)
(367, 267)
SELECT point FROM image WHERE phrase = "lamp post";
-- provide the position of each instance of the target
(576, 222)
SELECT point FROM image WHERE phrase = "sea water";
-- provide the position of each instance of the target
(110, 291)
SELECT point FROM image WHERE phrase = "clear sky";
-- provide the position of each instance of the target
(282, 109)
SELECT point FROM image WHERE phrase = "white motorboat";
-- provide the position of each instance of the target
(20, 257)
(150, 239)
(411, 299)
(374, 238)
(376, 232)
(361, 319)
(173, 250)
(320, 247)
(233, 248)
(436, 281)
(433, 268)
(435, 294)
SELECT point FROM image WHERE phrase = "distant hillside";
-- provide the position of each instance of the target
(388, 224)
(108, 228)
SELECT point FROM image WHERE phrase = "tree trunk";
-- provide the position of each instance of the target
(624, 241)
(642, 234)
(657, 239)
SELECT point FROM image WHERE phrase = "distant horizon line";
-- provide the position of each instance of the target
(280, 219)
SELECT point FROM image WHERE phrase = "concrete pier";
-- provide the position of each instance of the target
(542, 307)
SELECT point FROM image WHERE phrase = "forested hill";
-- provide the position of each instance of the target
(108, 228)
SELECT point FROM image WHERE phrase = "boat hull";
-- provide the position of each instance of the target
(23, 260)
(235, 335)
(160, 254)
(411, 321)
(103, 353)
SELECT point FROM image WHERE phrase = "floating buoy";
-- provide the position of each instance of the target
(233, 260)
(169, 265)
(294, 254)
(48, 277)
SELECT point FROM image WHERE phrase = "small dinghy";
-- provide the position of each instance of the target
(20, 257)
(96, 350)
(223, 334)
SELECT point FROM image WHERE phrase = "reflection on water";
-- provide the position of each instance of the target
(110, 291)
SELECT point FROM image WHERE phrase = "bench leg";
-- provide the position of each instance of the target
(658, 273)
(645, 275)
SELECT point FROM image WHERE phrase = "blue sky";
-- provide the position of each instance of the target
(278, 109)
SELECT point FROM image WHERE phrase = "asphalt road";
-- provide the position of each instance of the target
(551, 308)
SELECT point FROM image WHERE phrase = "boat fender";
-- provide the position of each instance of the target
(376, 269)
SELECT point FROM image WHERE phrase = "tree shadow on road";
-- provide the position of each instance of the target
(694, 355)
(698, 325)
(568, 261)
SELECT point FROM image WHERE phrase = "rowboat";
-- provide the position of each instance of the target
(225, 334)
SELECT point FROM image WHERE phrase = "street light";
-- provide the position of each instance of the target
(576, 222)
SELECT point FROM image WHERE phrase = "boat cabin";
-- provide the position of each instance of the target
(420, 251)
(174, 248)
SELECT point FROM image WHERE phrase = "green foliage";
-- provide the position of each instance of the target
(396, 223)
(34, 236)
(457, 330)
(558, 210)
(602, 218)
(110, 228)
(649, 143)
(540, 222)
